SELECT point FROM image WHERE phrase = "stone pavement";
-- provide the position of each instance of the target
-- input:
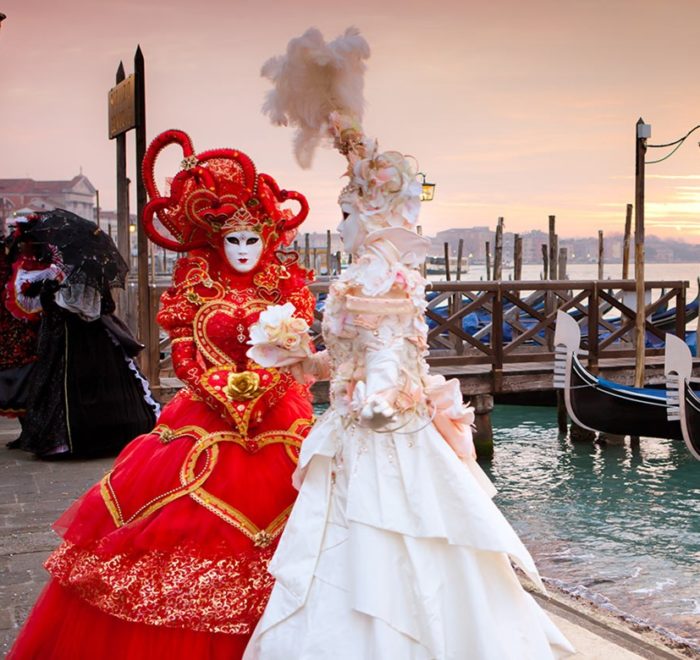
(34, 493)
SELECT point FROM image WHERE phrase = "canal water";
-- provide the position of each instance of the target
(616, 525)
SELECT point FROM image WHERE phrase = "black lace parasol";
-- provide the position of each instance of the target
(86, 254)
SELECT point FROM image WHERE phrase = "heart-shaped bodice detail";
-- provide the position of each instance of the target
(221, 330)
(196, 478)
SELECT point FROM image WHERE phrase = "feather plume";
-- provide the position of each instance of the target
(311, 81)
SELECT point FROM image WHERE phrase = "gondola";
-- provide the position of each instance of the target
(600, 405)
(667, 320)
(663, 319)
(685, 408)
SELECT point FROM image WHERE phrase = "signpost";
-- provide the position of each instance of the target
(127, 111)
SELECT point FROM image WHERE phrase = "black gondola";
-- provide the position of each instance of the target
(600, 405)
(663, 319)
(686, 403)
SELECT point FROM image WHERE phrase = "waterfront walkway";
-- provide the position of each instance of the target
(34, 493)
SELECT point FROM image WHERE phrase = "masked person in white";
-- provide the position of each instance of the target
(394, 549)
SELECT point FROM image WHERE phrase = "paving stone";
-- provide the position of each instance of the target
(28, 541)
(33, 494)
(6, 639)
(6, 620)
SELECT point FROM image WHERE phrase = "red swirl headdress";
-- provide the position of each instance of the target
(215, 191)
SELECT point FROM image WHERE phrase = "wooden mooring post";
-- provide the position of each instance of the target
(562, 265)
(626, 244)
(545, 262)
(498, 252)
(553, 248)
(517, 257)
(460, 252)
(483, 434)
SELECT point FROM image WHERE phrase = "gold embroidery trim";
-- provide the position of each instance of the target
(110, 497)
(261, 537)
(192, 483)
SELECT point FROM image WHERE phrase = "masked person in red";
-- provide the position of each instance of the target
(167, 556)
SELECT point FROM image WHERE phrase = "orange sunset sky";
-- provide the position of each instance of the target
(513, 108)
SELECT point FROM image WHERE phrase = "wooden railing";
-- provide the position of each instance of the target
(524, 316)
(516, 320)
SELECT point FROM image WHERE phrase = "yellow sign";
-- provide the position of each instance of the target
(122, 107)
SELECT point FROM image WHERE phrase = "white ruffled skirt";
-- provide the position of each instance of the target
(395, 551)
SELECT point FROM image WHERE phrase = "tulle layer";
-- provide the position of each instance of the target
(149, 502)
(62, 626)
(180, 532)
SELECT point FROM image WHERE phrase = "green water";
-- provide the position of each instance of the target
(620, 524)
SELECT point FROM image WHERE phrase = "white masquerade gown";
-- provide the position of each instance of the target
(394, 549)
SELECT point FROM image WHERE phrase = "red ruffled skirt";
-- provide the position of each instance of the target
(167, 556)
(62, 625)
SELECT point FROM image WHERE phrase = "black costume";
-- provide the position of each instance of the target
(85, 394)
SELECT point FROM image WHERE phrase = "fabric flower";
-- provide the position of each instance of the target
(452, 418)
(383, 192)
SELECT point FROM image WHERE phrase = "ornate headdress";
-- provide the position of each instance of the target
(318, 89)
(215, 192)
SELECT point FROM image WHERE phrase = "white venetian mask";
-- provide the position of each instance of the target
(243, 250)
(350, 228)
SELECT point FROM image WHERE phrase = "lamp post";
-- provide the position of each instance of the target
(427, 189)
(643, 132)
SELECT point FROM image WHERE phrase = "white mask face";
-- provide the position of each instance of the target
(243, 250)
(351, 231)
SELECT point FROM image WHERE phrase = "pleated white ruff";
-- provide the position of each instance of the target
(394, 550)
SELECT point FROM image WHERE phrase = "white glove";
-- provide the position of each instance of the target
(310, 369)
(377, 412)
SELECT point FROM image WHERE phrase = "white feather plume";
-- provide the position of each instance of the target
(311, 81)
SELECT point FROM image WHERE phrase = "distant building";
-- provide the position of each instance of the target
(22, 196)
(474, 239)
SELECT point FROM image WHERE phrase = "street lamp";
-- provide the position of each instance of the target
(427, 189)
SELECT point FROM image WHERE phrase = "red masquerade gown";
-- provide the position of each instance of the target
(166, 557)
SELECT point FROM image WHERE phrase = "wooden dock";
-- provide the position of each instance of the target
(514, 352)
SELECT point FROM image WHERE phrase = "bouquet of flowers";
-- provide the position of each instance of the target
(278, 338)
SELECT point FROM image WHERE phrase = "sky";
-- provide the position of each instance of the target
(513, 108)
